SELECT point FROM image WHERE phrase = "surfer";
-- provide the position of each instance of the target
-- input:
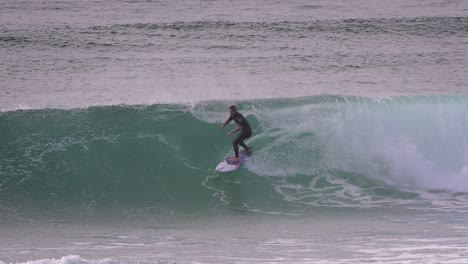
(242, 124)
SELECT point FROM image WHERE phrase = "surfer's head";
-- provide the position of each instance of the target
(232, 109)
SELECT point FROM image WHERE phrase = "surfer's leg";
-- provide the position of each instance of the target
(244, 145)
(235, 144)
(236, 149)
(240, 139)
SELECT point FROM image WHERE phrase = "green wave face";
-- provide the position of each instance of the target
(309, 153)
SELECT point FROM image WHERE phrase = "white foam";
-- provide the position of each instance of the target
(70, 259)
(410, 146)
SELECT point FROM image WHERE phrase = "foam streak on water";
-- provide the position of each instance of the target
(389, 238)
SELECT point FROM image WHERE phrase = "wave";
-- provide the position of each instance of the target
(310, 152)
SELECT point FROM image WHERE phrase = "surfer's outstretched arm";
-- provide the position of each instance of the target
(225, 123)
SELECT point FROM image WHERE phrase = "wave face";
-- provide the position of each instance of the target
(311, 152)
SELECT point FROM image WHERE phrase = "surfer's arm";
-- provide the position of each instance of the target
(235, 130)
(225, 123)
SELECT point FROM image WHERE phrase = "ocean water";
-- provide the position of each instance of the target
(109, 131)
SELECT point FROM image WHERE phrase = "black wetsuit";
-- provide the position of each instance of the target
(244, 134)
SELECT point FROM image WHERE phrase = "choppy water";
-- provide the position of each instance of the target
(74, 54)
(109, 131)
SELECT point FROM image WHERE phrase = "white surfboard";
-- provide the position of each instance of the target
(228, 165)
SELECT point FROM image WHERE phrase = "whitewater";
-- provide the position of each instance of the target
(109, 131)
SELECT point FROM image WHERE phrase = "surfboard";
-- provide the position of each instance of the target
(228, 165)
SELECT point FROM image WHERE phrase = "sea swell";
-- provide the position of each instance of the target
(152, 34)
(311, 152)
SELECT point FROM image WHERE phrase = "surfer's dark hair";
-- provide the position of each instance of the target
(233, 108)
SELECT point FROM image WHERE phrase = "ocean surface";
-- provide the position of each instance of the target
(109, 131)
